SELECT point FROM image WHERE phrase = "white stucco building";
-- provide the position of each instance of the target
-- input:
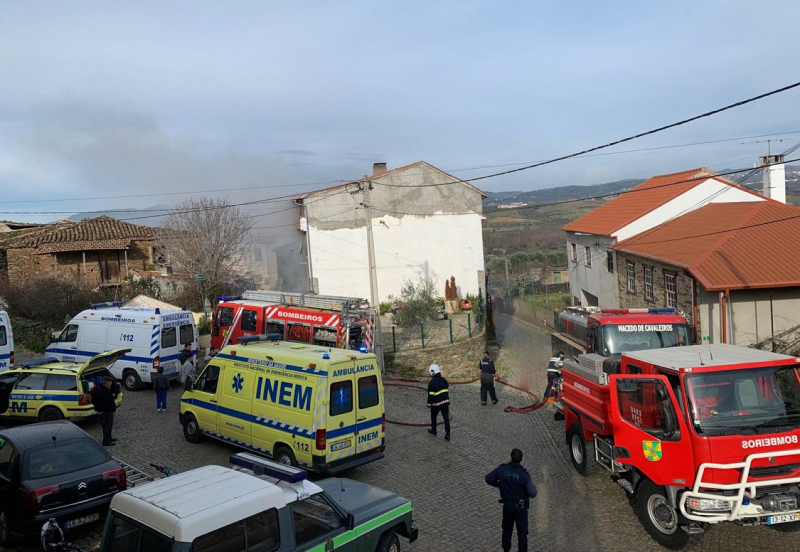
(425, 222)
(592, 264)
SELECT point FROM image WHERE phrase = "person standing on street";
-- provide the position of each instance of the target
(553, 373)
(105, 404)
(161, 386)
(516, 491)
(186, 362)
(439, 400)
(486, 367)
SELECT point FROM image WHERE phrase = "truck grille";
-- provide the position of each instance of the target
(772, 471)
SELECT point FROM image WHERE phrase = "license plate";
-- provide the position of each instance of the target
(81, 521)
(340, 445)
(782, 518)
(170, 369)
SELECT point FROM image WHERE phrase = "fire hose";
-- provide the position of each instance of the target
(412, 383)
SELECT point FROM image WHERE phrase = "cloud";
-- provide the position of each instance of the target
(299, 153)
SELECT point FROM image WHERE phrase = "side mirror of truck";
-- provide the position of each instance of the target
(662, 394)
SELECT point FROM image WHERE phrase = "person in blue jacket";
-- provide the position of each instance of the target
(516, 491)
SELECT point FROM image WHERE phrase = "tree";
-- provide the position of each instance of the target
(418, 302)
(210, 237)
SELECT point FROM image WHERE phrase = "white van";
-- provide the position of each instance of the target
(6, 342)
(156, 338)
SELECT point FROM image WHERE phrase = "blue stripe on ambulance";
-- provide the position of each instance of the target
(42, 397)
(5, 355)
(92, 354)
(312, 371)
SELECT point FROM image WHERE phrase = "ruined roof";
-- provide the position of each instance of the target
(87, 235)
(642, 199)
(728, 245)
(396, 170)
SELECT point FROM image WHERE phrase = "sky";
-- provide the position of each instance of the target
(142, 99)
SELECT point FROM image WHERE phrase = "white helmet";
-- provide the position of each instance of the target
(434, 369)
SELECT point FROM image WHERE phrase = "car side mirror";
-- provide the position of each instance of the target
(351, 521)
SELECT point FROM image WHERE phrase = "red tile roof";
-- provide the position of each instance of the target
(728, 245)
(398, 169)
(640, 200)
(88, 234)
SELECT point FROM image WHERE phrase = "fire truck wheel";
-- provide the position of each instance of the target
(659, 518)
(577, 448)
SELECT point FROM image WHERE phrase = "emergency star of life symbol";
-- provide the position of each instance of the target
(238, 381)
(652, 450)
(342, 399)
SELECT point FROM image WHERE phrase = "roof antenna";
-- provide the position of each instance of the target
(701, 359)
(55, 435)
(341, 483)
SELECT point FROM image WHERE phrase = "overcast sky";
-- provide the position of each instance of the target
(141, 98)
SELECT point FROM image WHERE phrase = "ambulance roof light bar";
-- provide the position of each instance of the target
(230, 298)
(40, 362)
(261, 337)
(106, 305)
(262, 466)
(660, 310)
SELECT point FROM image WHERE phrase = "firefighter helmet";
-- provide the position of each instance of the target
(434, 369)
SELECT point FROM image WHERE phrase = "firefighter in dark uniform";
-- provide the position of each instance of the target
(516, 490)
(553, 373)
(438, 400)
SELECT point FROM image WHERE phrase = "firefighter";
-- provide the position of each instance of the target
(438, 400)
(516, 492)
(553, 373)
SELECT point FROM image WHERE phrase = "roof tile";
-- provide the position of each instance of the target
(88, 234)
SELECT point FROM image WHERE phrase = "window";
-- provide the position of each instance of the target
(648, 283)
(187, 334)
(61, 382)
(258, 533)
(670, 290)
(6, 459)
(610, 261)
(207, 381)
(3, 337)
(313, 518)
(249, 321)
(128, 536)
(257, 257)
(169, 337)
(557, 277)
(159, 255)
(69, 457)
(368, 392)
(224, 316)
(69, 334)
(632, 394)
(587, 253)
(31, 381)
(7, 382)
(631, 272)
(574, 251)
(275, 328)
(341, 398)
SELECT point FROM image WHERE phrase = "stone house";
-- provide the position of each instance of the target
(101, 251)
(731, 268)
(425, 223)
(594, 269)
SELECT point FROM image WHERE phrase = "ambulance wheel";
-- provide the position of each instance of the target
(659, 518)
(50, 414)
(577, 448)
(388, 543)
(285, 456)
(131, 380)
(191, 429)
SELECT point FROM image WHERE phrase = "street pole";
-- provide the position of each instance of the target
(373, 271)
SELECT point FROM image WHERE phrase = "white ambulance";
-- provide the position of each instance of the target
(6, 342)
(156, 338)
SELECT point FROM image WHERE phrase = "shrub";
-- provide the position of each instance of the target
(418, 302)
(386, 307)
(204, 326)
(51, 299)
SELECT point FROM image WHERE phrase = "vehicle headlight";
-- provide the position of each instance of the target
(708, 505)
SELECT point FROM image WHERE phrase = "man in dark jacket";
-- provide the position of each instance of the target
(516, 490)
(104, 403)
(553, 373)
(486, 366)
(439, 400)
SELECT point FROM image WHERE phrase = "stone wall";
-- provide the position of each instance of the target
(458, 361)
(637, 299)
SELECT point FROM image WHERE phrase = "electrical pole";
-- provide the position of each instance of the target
(373, 271)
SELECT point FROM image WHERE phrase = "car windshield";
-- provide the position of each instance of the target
(63, 457)
(759, 400)
(624, 338)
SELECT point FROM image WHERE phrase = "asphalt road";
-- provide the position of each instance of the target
(453, 507)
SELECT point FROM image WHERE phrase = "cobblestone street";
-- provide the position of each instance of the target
(454, 509)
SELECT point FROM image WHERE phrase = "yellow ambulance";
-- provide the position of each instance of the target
(303, 405)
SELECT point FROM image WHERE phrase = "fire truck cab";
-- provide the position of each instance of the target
(612, 332)
(697, 435)
(339, 322)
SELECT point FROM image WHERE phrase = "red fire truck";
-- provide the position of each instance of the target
(341, 322)
(611, 332)
(696, 435)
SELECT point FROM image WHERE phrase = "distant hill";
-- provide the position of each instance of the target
(154, 215)
(549, 195)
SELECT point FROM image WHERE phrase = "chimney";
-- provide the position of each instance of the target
(378, 168)
(774, 177)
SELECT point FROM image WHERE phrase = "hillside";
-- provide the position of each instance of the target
(550, 195)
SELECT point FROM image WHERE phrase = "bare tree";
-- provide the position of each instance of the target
(210, 237)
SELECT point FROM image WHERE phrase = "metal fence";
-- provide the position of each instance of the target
(528, 312)
(433, 333)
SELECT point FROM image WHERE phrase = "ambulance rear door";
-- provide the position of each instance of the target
(341, 430)
(369, 405)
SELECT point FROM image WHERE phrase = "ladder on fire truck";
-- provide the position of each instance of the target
(327, 302)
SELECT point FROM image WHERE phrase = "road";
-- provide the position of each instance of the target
(453, 507)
